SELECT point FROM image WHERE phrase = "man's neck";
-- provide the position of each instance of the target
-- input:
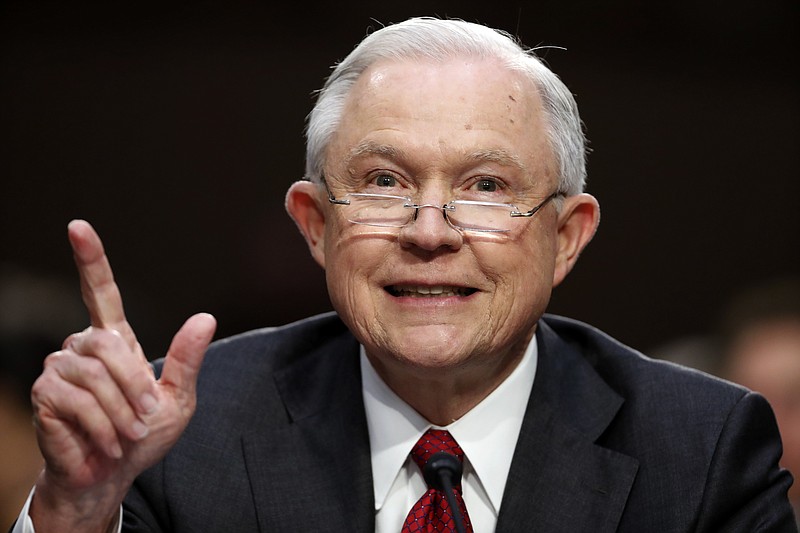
(443, 395)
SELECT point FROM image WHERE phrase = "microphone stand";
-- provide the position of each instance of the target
(442, 472)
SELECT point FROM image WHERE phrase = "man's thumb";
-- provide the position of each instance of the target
(186, 352)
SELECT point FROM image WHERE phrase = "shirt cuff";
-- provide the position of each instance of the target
(24, 523)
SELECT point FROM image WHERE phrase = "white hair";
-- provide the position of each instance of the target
(440, 40)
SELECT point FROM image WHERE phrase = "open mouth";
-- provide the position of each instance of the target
(428, 291)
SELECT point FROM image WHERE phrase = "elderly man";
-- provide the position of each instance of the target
(444, 200)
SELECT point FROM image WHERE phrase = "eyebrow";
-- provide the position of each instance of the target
(499, 156)
(372, 148)
(489, 155)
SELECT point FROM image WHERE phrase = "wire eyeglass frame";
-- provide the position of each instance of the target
(449, 207)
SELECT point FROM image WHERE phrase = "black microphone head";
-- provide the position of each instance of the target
(442, 463)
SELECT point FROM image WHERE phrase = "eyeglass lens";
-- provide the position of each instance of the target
(397, 212)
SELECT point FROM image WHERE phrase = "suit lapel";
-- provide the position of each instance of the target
(320, 453)
(560, 480)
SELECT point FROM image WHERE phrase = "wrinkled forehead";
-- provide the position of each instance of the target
(476, 104)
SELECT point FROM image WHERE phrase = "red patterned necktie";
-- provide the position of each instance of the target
(432, 513)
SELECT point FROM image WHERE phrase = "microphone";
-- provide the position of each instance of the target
(442, 472)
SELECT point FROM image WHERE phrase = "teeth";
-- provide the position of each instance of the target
(429, 291)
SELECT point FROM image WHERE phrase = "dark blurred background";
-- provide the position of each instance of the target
(176, 128)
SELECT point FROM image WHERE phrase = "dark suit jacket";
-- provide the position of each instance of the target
(611, 441)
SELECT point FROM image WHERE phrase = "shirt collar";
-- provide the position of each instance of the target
(488, 440)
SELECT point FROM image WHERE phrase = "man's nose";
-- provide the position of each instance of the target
(430, 230)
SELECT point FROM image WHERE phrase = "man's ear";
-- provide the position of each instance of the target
(577, 224)
(303, 205)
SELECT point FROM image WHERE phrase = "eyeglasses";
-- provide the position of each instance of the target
(389, 211)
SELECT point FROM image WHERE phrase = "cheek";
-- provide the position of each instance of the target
(522, 274)
(341, 275)
(347, 291)
(352, 264)
(523, 264)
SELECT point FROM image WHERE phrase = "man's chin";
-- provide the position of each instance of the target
(431, 346)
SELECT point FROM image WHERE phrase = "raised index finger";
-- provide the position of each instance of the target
(98, 288)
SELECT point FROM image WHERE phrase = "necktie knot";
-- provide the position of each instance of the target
(434, 441)
(432, 512)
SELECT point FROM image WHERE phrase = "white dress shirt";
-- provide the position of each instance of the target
(488, 435)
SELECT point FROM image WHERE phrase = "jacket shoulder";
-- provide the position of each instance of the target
(707, 449)
(633, 374)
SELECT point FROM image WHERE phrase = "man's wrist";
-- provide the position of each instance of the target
(95, 511)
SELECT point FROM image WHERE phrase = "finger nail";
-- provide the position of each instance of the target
(116, 451)
(148, 403)
(139, 429)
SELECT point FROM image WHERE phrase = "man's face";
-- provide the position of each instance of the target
(427, 296)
